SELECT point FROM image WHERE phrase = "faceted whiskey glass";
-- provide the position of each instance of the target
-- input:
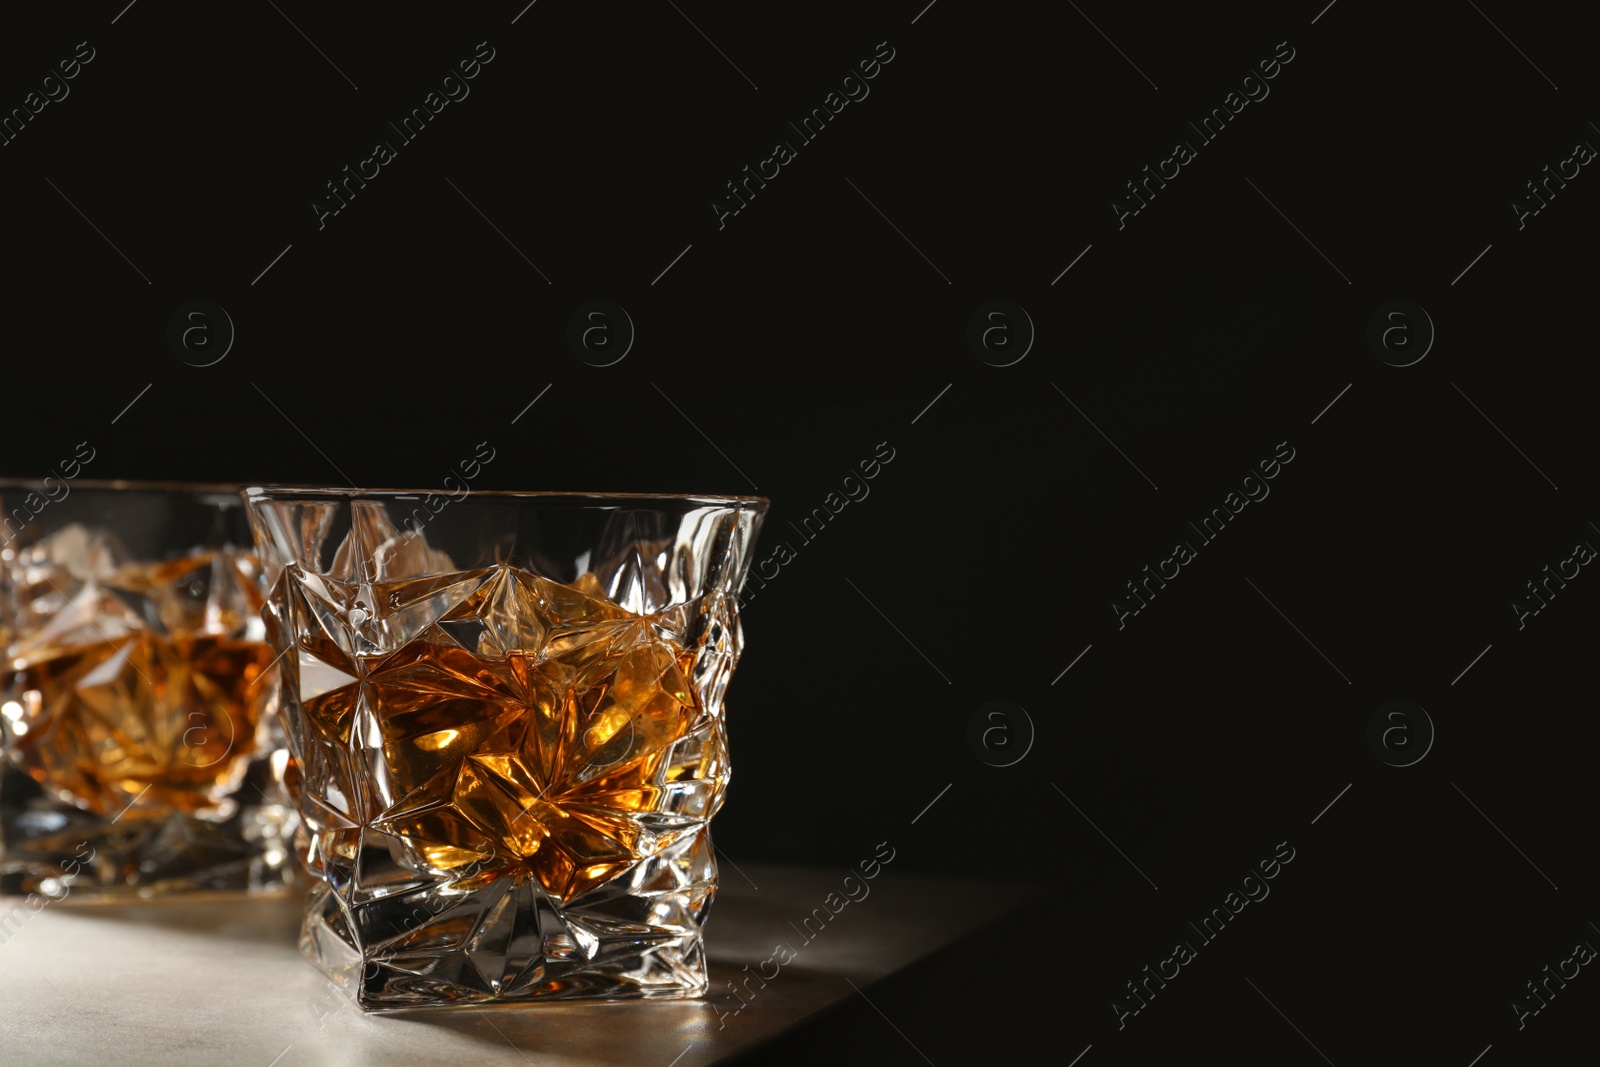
(505, 720)
(138, 696)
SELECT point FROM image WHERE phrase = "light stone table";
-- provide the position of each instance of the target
(221, 982)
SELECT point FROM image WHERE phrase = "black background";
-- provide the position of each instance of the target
(824, 319)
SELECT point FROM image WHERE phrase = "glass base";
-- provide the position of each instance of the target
(482, 938)
(60, 851)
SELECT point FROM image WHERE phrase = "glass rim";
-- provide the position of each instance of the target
(290, 492)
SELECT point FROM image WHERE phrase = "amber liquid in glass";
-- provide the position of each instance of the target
(125, 719)
(528, 731)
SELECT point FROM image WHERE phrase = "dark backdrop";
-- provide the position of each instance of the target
(1159, 357)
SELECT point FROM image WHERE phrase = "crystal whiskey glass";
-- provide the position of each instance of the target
(138, 696)
(505, 718)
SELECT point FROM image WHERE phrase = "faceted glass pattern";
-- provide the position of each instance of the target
(137, 707)
(507, 739)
